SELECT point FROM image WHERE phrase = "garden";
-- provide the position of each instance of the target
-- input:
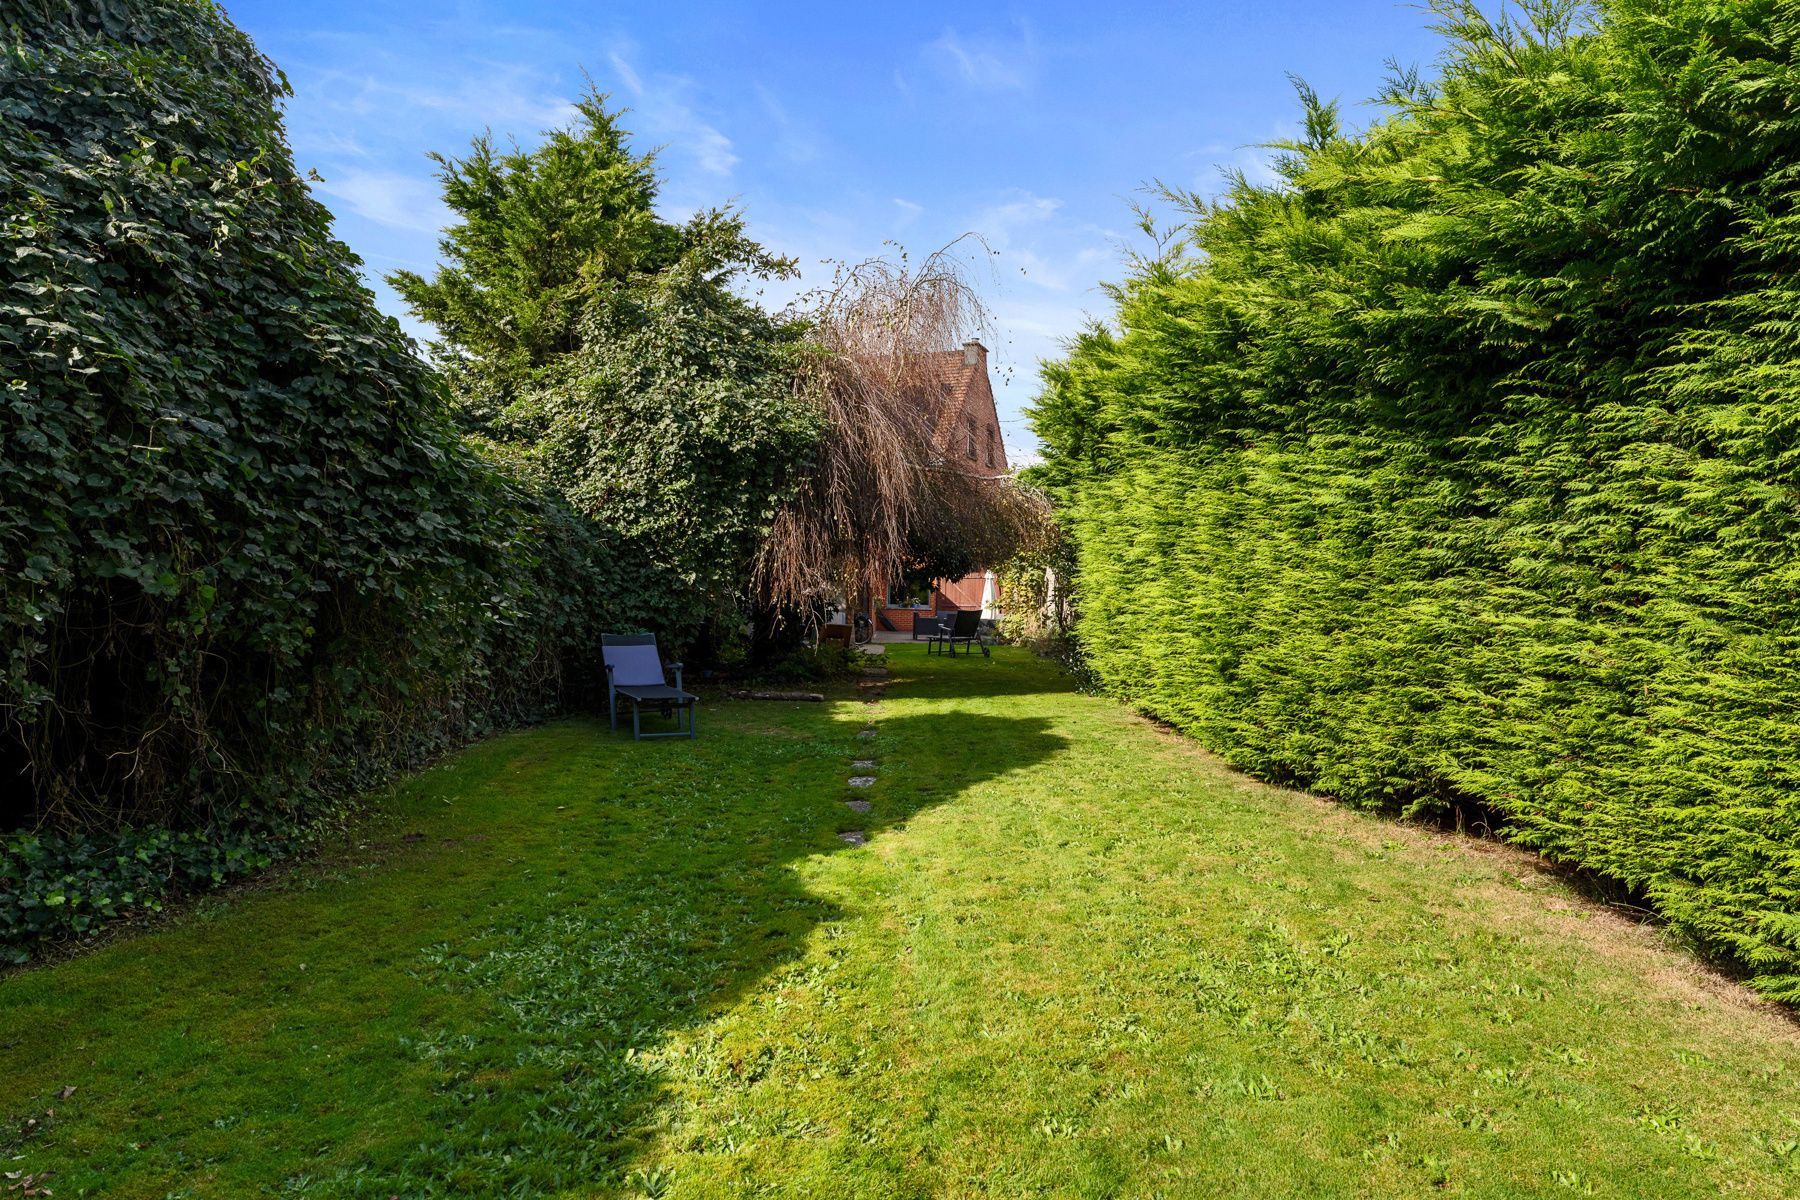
(1380, 783)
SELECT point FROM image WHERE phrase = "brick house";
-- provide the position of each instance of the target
(966, 432)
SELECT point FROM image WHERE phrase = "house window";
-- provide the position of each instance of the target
(990, 446)
(969, 429)
(911, 590)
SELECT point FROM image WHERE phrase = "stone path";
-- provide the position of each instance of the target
(873, 685)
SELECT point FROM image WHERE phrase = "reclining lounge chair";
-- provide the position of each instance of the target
(634, 672)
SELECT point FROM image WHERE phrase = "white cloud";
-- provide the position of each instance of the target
(795, 140)
(375, 82)
(1254, 161)
(1024, 208)
(713, 151)
(1034, 247)
(626, 73)
(988, 64)
(411, 202)
(662, 104)
(909, 211)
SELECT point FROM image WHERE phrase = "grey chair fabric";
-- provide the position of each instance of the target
(634, 673)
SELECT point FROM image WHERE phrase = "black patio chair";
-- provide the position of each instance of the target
(928, 625)
(962, 628)
(634, 672)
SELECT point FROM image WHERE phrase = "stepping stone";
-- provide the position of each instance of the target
(875, 673)
(859, 805)
(863, 764)
(854, 837)
(862, 781)
(865, 733)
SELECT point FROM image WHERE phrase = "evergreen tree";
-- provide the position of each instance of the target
(604, 350)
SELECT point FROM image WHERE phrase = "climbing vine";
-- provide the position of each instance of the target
(249, 562)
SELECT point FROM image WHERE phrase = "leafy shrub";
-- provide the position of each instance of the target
(1036, 586)
(827, 661)
(71, 885)
(249, 563)
(1461, 463)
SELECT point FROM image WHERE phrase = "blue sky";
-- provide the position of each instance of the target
(838, 128)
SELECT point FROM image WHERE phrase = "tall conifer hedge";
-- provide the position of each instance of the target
(1463, 464)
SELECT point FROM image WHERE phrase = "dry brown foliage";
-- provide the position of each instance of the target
(880, 496)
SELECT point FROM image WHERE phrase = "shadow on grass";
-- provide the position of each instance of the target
(665, 903)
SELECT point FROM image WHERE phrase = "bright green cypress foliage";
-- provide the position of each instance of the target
(247, 561)
(604, 351)
(1460, 465)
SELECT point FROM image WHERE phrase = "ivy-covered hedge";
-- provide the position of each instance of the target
(248, 563)
(1463, 464)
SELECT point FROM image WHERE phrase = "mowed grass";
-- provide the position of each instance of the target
(1078, 957)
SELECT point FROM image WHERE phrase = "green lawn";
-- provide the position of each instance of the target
(1077, 958)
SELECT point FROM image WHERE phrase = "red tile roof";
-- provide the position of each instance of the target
(957, 375)
(962, 389)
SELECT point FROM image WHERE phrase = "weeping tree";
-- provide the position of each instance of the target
(603, 351)
(880, 496)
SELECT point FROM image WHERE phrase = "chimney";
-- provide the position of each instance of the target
(973, 351)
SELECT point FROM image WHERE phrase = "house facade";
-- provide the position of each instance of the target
(967, 434)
